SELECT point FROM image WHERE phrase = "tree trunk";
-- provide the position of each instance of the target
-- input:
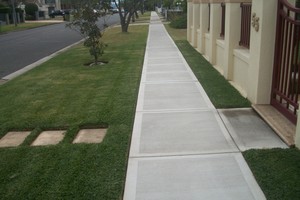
(125, 28)
(96, 59)
(123, 22)
(95, 54)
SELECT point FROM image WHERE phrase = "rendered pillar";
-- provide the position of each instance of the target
(262, 47)
(203, 21)
(215, 29)
(189, 19)
(232, 36)
(297, 139)
(195, 25)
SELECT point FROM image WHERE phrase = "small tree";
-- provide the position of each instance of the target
(85, 19)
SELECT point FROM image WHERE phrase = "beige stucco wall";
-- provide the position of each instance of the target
(262, 47)
(207, 46)
(220, 55)
(203, 25)
(232, 36)
(195, 25)
(249, 70)
(297, 139)
(189, 20)
(215, 29)
(255, 82)
(241, 70)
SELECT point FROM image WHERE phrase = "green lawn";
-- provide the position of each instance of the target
(277, 171)
(63, 93)
(143, 18)
(221, 93)
(23, 26)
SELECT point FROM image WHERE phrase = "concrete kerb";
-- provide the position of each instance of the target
(37, 63)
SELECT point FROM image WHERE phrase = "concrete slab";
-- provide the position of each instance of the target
(49, 138)
(249, 131)
(161, 43)
(90, 136)
(169, 61)
(169, 76)
(163, 54)
(14, 138)
(162, 49)
(169, 45)
(165, 68)
(158, 36)
(172, 96)
(213, 177)
(180, 133)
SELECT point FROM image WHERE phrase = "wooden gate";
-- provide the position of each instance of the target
(286, 80)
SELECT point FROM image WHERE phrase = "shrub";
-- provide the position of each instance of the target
(85, 20)
(2, 5)
(4, 10)
(179, 22)
(31, 8)
(29, 17)
(19, 10)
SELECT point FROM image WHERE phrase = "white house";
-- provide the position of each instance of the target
(255, 45)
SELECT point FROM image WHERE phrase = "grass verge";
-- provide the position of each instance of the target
(277, 171)
(143, 18)
(63, 93)
(23, 26)
(221, 93)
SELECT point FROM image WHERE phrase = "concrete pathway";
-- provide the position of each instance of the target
(180, 146)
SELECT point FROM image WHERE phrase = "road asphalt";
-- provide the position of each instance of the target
(22, 48)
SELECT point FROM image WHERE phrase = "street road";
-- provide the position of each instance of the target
(22, 48)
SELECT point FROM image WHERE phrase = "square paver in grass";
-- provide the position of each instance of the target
(90, 136)
(49, 138)
(13, 139)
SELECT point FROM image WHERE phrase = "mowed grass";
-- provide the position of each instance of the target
(65, 94)
(221, 93)
(23, 26)
(277, 171)
(143, 18)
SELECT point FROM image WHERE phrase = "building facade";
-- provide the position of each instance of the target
(255, 45)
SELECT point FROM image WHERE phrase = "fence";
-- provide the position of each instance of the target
(286, 81)
(223, 7)
(245, 25)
